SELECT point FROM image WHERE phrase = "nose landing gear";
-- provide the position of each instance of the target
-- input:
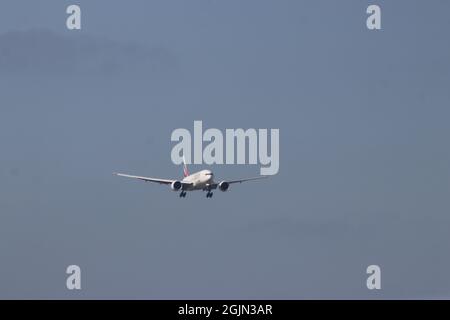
(209, 194)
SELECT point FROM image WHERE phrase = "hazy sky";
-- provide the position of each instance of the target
(364, 155)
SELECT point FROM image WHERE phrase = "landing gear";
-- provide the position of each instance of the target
(209, 194)
(183, 194)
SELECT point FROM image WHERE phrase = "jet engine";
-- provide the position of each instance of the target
(176, 185)
(223, 186)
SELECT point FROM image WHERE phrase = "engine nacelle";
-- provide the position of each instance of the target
(223, 186)
(176, 185)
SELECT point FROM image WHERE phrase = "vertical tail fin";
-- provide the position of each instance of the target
(185, 169)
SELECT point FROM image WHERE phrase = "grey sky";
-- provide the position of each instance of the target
(364, 158)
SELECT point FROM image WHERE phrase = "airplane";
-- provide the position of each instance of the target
(201, 180)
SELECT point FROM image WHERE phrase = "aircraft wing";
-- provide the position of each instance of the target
(147, 179)
(215, 185)
(247, 179)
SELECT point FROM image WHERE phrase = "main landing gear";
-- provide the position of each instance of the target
(209, 194)
(183, 194)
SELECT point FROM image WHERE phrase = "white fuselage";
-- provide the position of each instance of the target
(200, 180)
